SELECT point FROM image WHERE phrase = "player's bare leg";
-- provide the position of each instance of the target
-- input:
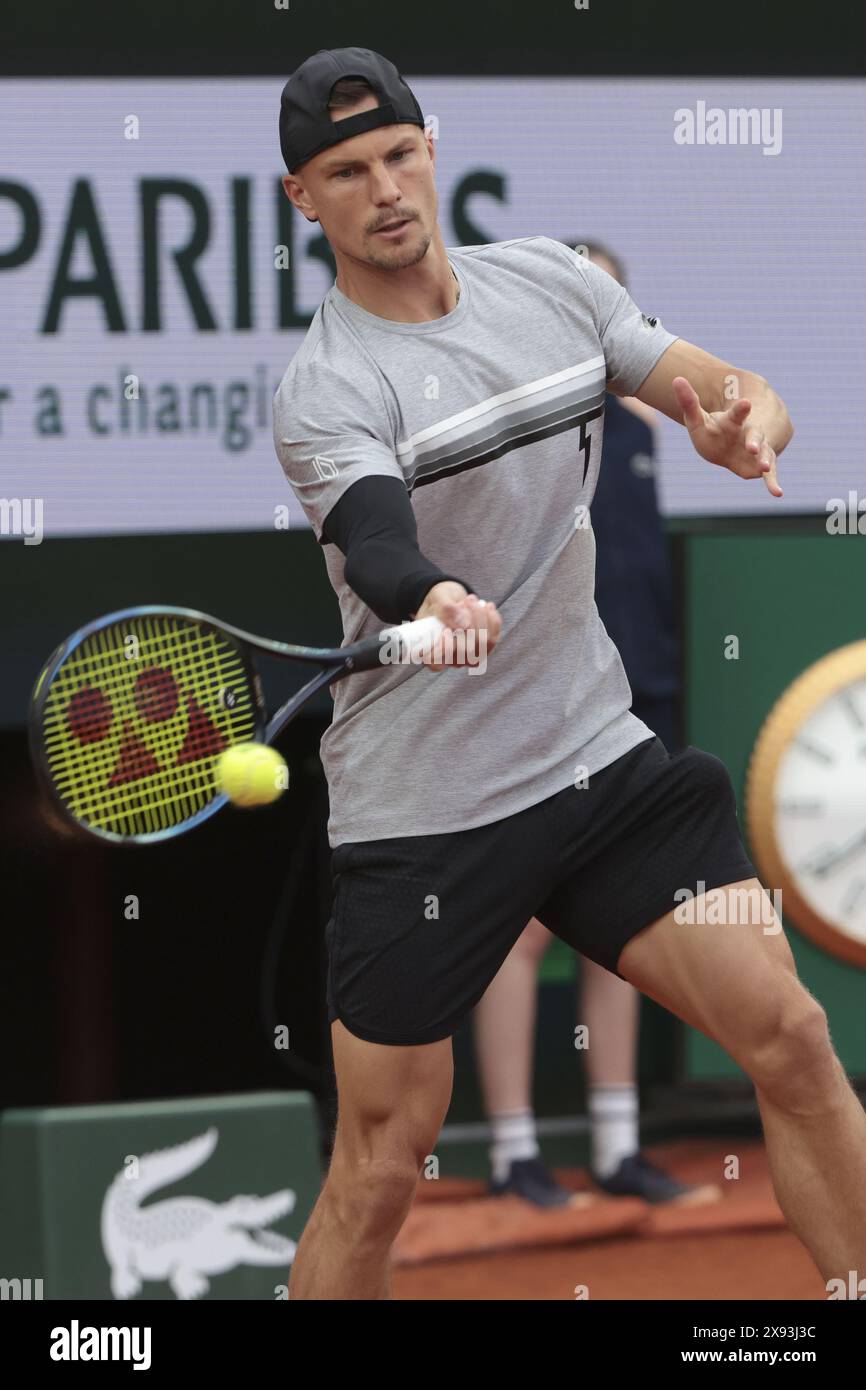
(504, 1024)
(737, 983)
(391, 1105)
(611, 1011)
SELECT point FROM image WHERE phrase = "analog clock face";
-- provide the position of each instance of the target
(820, 810)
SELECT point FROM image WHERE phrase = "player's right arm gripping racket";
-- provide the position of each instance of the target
(131, 713)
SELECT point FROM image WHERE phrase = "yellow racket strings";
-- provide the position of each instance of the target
(135, 719)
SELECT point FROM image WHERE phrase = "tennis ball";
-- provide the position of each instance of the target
(251, 774)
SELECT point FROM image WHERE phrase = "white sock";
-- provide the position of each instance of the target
(613, 1117)
(513, 1137)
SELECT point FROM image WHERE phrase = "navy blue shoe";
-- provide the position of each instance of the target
(530, 1179)
(637, 1177)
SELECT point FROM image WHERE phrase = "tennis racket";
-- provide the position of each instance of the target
(130, 713)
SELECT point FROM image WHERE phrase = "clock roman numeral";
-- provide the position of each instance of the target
(814, 862)
(813, 749)
(853, 896)
(851, 709)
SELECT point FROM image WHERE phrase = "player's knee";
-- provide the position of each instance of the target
(373, 1194)
(793, 1062)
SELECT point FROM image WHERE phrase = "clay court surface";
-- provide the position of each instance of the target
(729, 1243)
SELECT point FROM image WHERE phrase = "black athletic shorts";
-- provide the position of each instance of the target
(422, 923)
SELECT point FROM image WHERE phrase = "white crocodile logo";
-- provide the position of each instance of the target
(183, 1239)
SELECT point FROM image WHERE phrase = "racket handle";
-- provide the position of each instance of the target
(404, 642)
(414, 637)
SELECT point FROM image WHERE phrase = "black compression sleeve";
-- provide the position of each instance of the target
(373, 524)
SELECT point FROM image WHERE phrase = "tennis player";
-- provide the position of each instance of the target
(441, 427)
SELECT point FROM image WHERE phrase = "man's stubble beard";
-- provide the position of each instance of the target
(401, 259)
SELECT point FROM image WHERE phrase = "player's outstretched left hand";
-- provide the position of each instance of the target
(724, 437)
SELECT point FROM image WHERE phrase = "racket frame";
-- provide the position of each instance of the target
(335, 661)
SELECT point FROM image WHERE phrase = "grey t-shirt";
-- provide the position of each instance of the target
(492, 415)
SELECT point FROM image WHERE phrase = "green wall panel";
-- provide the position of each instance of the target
(790, 599)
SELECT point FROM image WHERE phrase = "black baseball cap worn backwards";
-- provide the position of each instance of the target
(306, 127)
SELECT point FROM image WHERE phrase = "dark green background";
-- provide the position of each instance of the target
(790, 600)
